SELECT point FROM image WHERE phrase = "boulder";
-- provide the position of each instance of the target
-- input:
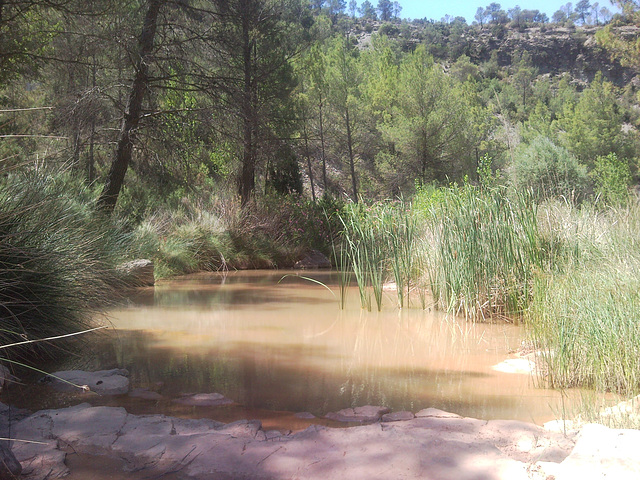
(103, 382)
(137, 273)
(203, 400)
(366, 414)
(602, 453)
(313, 260)
(9, 465)
(435, 413)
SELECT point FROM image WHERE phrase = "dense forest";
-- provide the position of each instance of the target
(486, 167)
(163, 99)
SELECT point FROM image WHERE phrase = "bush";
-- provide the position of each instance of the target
(549, 171)
(612, 178)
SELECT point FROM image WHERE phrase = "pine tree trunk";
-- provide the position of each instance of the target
(124, 150)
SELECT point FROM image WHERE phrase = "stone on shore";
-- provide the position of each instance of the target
(137, 273)
(313, 260)
(602, 453)
(428, 447)
(397, 416)
(203, 400)
(435, 413)
(366, 414)
(103, 382)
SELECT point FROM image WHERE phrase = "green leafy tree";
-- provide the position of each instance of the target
(592, 127)
(430, 124)
(583, 7)
(385, 9)
(368, 11)
(343, 77)
(624, 47)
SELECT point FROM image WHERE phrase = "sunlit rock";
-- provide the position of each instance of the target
(602, 453)
(103, 382)
(515, 365)
(435, 413)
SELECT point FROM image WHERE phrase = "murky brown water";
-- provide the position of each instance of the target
(279, 348)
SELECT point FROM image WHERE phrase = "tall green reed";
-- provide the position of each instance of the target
(363, 245)
(484, 250)
(380, 241)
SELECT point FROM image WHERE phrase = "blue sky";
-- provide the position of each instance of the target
(467, 8)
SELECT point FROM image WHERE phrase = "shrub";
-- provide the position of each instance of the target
(549, 171)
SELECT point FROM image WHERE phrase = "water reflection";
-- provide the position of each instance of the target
(287, 347)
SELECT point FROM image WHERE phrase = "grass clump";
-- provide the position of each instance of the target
(57, 259)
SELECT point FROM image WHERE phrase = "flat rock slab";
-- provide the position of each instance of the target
(420, 448)
(203, 400)
(436, 413)
(102, 382)
(366, 414)
(602, 453)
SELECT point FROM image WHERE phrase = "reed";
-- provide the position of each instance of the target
(483, 251)
(363, 245)
(583, 318)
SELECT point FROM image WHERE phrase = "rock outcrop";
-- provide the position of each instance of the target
(428, 447)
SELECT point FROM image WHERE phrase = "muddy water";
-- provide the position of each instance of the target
(279, 347)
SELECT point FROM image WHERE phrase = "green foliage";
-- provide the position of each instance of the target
(380, 241)
(549, 170)
(284, 172)
(612, 179)
(430, 125)
(593, 126)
